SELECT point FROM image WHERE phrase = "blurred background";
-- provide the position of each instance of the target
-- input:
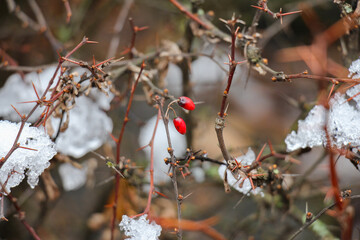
(259, 110)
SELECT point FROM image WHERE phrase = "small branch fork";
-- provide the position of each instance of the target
(21, 215)
(308, 223)
(282, 77)
(40, 25)
(41, 101)
(173, 166)
(262, 5)
(190, 15)
(220, 120)
(118, 148)
(152, 188)
(135, 29)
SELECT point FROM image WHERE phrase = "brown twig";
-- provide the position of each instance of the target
(173, 165)
(190, 15)
(24, 118)
(135, 29)
(307, 224)
(262, 5)
(316, 77)
(220, 120)
(21, 214)
(120, 21)
(118, 148)
(68, 10)
(151, 170)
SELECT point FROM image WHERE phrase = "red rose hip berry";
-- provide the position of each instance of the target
(186, 103)
(180, 125)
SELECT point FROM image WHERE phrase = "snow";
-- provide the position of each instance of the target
(72, 178)
(89, 126)
(23, 161)
(310, 131)
(140, 229)
(343, 121)
(88, 129)
(16, 90)
(160, 146)
(238, 184)
(354, 69)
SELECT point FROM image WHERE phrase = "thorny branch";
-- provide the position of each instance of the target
(220, 120)
(118, 148)
(307, 224)
(24, 118)
(173, 166)
(21, 214)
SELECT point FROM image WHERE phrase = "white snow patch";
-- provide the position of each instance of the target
(240, 185)
(23, 161)
(140, 229)
(72, 178)
(160, 146)
(89, 126)
(88, 129)
(354, 69)
(343, 123)
(16, 90)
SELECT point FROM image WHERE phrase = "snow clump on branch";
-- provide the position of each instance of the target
(24, 161)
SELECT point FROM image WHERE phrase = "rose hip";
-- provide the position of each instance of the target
(180, 125)
(186, 103)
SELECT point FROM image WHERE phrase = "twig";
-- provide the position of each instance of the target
(151, 145)
(319, 78)
(173, 165)
(20, 213)
(135, 29)
(189, 14)
(24, 118)
(120, 21)
(118, 146)
(220, 120)
(307, 224)
(68, 10)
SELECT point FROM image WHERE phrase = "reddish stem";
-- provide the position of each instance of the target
(189, 14)
(118, 145)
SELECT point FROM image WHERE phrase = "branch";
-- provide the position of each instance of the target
(307, 224)
(173, 166)
(118, 146)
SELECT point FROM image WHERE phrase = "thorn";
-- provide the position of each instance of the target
(27, 148)
(17, 112)
(161, 194)
(261, 151)
(114, 138)
(37, 95)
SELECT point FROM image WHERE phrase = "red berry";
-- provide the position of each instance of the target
(180, 125)
(186, 103)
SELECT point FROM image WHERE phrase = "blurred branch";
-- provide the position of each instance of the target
(307, 224)
(120, 21)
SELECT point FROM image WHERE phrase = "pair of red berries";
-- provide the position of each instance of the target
(187, 104)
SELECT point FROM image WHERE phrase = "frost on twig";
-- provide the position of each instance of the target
(140, 229)
(241, 185)
(24, 161)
